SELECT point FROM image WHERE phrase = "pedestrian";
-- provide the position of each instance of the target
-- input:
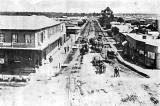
(100, 67)
(50, 59)
(65, 49)
(36, 68)
(68, 48)
(116, 72)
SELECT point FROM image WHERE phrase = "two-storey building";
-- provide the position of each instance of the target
(25, 41)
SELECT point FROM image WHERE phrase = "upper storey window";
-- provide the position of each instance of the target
(14, 38)
(27, 38)
(1, 37)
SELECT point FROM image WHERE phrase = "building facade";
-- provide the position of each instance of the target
(143, 49)
(26, 41)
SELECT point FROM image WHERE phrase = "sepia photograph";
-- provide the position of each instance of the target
(79, 52)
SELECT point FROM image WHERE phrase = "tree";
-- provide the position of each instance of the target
(137, 23)
(108, 26)
(115, 30)
(106, 17)
(120, 19)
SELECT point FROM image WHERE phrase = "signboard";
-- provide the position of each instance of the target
(1, 60)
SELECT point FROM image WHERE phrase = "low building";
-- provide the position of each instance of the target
(143, 49)
(26, 41)
(71, 29)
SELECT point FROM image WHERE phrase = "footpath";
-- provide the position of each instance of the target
(148, 73)
(58, 59)
(59, 56)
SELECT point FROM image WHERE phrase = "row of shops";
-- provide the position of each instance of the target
(142, 51)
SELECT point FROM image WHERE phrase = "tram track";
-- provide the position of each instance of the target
(74, 96)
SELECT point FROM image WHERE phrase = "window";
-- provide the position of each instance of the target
(27, 38)
(49, 32)
(44, 36)
(53, 30)
(1, 37)
(38, 37)
(59, 28)
(141, 52)
(41, 34)
(151, 55)
(14, 38)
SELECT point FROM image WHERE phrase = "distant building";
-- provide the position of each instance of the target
(144, 48)
(79, 21)
(123, 29)
(26, 41)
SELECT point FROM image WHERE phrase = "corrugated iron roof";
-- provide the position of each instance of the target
(26, 22)
(149, 40)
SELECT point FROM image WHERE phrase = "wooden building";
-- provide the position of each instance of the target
(26, 41)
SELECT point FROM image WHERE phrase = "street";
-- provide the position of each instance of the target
(80, 85)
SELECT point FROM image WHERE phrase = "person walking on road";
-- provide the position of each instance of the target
(50, 59)
(68, 48)
(116, 72)
(65, 50)
(104, 68)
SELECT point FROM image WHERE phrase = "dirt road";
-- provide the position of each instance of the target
(84, 88)
(128, 90)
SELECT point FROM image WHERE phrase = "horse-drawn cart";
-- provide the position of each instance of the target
(99, 64)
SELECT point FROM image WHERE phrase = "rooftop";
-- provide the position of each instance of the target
(26, 22)
(123, 27)
(149, 39)
(154, 33)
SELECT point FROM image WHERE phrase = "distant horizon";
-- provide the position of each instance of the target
(81, 6)
(81, 12)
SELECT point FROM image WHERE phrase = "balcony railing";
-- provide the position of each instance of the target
(18, 45)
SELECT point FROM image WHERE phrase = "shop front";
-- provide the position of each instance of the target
(140, 46)
(18, 59)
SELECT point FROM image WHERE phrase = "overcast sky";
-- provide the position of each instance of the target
(118, 6)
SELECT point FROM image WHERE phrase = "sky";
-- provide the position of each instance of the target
(81, 6)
